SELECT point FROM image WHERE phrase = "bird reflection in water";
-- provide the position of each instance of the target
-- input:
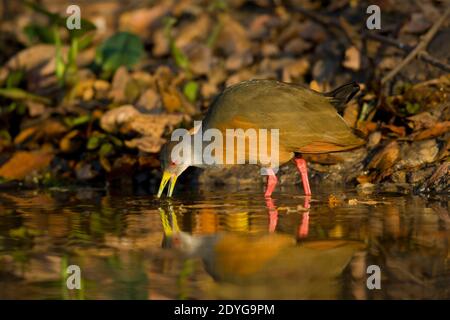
(274, 262)
(303, 227)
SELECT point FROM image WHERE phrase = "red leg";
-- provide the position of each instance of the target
(273, 214)
(271, 182)
(301, 166)
(303, 229)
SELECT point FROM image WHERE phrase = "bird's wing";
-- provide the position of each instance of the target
(306, 120)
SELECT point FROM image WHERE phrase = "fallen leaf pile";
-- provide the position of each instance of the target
(83, 106)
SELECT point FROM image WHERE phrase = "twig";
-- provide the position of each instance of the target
(424, 56)
(419, 48)
(331, 25)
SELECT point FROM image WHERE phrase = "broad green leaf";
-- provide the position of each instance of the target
(37, 33)
(121, 49)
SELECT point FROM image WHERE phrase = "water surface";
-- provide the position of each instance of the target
(223, 244)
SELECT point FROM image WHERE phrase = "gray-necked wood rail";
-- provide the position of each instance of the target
(266, 263)
(307, 122)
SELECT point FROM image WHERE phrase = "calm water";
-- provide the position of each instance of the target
(222, 244)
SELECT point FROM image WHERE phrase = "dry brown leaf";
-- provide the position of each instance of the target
(232, 38)
(140, 21)
(23, 163)
(154, 124)
(238, 61)
(35, 108)
(352, 59)
(25, 135)
(422, 120)
(70, 142)
(192, 32)
(417, 24)
(295, 70)
(396, 129)
(351, 113)
(437, 130)
(161, 45)
(28, 59)
(259, 26)
(200, 59)
(146, 144)
(119, 85)
(385, 158)
(150, 101)
(297, 46)
(113, 119)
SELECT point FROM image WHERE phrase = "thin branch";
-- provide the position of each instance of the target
(419, 48)
(424, 56)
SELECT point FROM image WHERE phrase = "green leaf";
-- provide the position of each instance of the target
(93, 142)
(181, 59)
(116, 141)
(60, 66)
(106, 149)
(73, 122)
(412, 108)
(4, 135)
(122, 49)
(190, 90)
(85, 27)
(42, 34)
(19, 94)
(14, 78)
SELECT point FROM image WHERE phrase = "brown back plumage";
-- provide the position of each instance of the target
(307, 120)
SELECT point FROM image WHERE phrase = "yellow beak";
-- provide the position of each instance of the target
(165, 178)
(169, 221)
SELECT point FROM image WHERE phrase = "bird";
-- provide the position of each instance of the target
(265, 262)
(307, 121)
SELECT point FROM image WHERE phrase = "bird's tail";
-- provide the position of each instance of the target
(340, 96)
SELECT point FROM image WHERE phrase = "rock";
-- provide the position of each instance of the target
(439, 181)
(419, 153)
(85, 171)
(418, 176)
(401, 188)
(366, 188)
(374, 139)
